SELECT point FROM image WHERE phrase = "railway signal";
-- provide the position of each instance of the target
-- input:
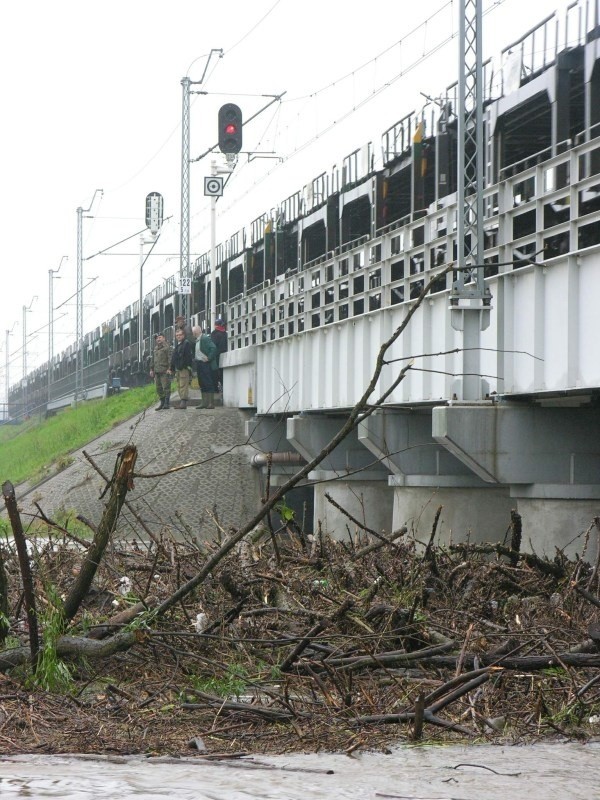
(230, 128)
(154, 212)
(154, 221)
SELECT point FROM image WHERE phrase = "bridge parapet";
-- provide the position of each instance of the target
(541, 257)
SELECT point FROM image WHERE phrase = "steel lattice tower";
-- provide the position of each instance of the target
(184, 241)
(470, 151)
(470, 299)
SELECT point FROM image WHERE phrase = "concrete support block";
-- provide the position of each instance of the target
(516, 444)
(268, 434)
(370, 502)
(550, 523)
(549, 457)
(474, 514)
(310, 433)
(350, 474)
(402, 440)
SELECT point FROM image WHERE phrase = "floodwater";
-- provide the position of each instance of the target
(478, 772)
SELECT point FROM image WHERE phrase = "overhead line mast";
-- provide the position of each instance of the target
(470, 299)
(184, 233)
(184, 236)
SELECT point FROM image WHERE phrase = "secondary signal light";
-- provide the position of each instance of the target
(230, 128)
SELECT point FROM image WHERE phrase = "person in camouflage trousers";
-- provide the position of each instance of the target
(159, 370)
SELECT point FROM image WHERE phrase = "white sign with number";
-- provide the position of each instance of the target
(185, 285)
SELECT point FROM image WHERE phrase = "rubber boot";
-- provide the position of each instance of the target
(210, 400)
(182, 405)
(167, 401)
(161, 406)
(202, 403)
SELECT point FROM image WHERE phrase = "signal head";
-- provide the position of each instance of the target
(230, 128)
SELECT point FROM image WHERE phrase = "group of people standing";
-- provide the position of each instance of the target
(193, 349)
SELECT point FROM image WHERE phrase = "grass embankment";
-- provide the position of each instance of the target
(30, 450)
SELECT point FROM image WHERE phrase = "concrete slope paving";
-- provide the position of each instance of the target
(221, 489)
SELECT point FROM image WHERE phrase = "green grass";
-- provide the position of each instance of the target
(8, 432)
(30, 450)
(52, 674)
(232, 684)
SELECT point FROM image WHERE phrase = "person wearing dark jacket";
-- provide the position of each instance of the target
(219, 337)
(182, 362)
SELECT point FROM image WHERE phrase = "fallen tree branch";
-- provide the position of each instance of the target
(400, 657)
(376, 545)
(76, 647)
(457, 693)
(595, 601)
(127, 504)
(314, 631)
(303, 644)
(51, 524)
(525, 663)
(428, 713)
(268, 714)
(4, 623)
(120, 484)
(409, 716)
(10, 501)
(544, 566)
(118, 620)
(450, 685)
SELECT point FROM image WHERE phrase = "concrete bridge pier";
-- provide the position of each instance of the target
(550, 458)
(350, 475)
(425, 476)
(267, 434)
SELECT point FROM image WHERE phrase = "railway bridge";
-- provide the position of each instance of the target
(532, 440)
(498, 415)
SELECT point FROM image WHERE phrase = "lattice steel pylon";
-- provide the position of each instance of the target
(184, 235)
(470, 298)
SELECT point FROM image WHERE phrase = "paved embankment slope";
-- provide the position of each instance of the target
(222, 484)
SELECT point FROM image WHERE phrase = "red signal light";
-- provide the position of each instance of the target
(230, 128)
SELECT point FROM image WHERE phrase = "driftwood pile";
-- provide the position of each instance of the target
(290, 642)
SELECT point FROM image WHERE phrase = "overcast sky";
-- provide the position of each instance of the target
(91, 99)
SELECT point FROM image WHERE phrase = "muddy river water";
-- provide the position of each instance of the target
(478, 772)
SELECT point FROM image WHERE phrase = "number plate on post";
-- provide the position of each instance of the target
(185, 285)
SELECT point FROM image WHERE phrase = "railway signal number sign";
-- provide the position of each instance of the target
(185, 285)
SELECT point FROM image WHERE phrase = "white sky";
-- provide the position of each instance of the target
(91, 99)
